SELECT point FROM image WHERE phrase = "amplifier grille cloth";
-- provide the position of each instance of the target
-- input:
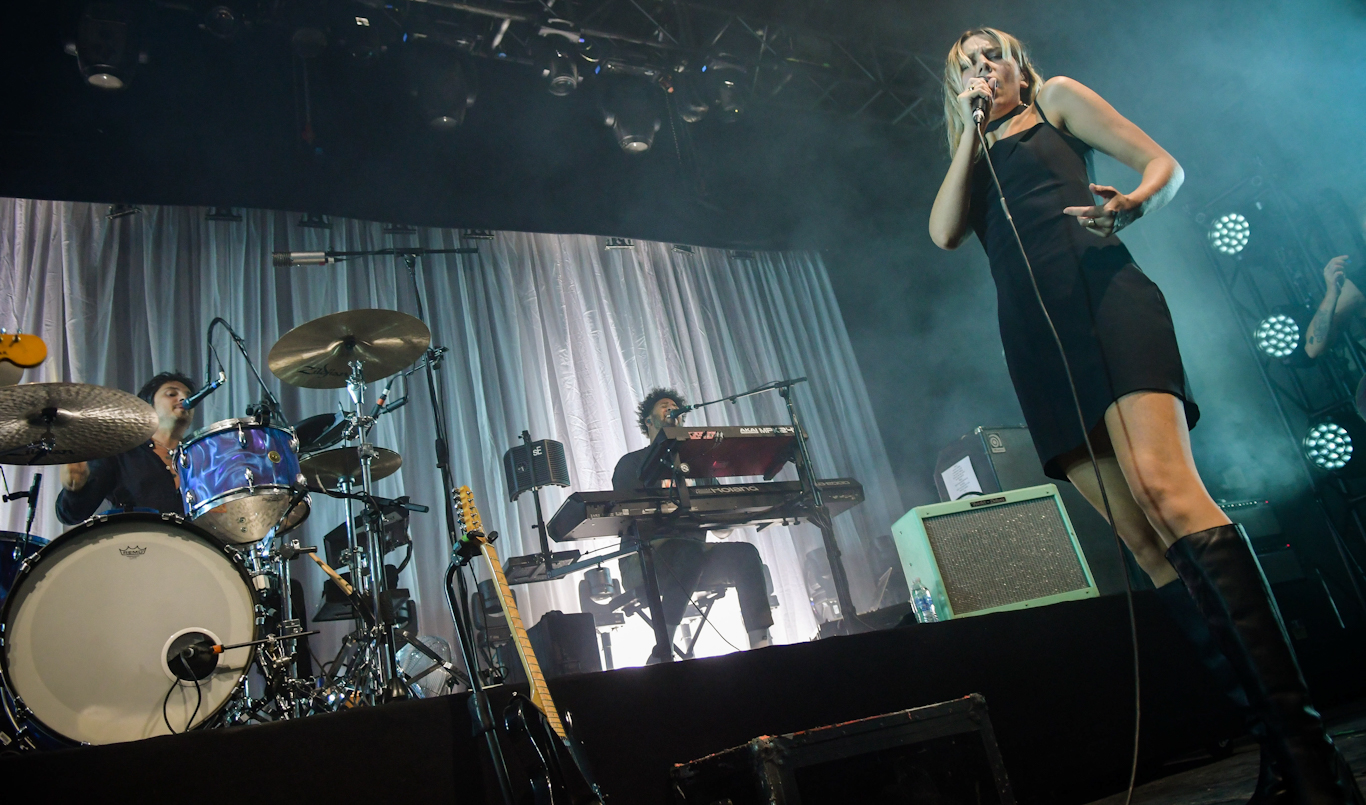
(1004, 554)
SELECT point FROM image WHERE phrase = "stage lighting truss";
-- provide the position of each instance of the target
(1229, 233)
(1278, 335)
(1328, 446)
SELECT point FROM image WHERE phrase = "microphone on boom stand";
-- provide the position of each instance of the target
(287, 259)
(195, 399)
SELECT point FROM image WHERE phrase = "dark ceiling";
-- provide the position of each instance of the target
(229, 109)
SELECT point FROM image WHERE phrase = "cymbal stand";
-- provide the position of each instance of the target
(391, 685)
(480, 711)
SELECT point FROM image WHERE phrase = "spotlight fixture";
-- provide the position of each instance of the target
(561, 72)
(222, 214)
(1229, 233)
(629, 110)
(223, 22)
(1329, 446)
(399, 229)
(742, 255)
(441, 84)
(105, 50)
(476, 234)
(727, 75)
(1278, 335)
(314, 221)
(613, 244)
(683, 248)
(687, 101)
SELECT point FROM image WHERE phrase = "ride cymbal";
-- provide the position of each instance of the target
(64, 423)
(318, 354)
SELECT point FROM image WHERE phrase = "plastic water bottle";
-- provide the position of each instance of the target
(923, 603)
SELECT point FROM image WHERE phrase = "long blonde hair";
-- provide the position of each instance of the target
(958, 61)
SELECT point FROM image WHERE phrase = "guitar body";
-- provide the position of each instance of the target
(556, 776)
(546, 743)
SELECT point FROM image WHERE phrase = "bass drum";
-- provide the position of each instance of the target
(93, 618)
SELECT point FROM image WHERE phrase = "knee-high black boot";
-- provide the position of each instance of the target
(1180, 607)
(1222, 575)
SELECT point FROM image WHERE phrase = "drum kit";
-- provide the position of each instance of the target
(136, 624)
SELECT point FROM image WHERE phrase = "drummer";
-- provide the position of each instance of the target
(141, 478)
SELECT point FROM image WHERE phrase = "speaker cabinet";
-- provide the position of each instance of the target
(996, 552)
(1004, 458)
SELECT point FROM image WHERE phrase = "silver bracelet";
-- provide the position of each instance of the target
(1123, 218)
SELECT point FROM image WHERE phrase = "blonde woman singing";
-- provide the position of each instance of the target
(1117, 335)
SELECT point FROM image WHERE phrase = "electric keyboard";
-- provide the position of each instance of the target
(585, 515)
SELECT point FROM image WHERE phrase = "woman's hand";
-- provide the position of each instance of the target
(1333, 275)
(977, 88)
(1117, 212)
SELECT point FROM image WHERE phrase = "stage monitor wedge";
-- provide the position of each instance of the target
(995, 552)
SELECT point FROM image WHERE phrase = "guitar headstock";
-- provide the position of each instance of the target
(24, 351)
(470, 523)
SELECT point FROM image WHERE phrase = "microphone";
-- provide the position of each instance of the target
(381, 400)
(674, 414)
(195, 399)
(287, 259)
(981, 105)
(32, 502)
(30, 494)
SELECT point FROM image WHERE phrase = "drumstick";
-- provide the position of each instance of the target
(337, 577)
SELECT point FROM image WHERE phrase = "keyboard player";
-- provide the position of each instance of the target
(686, 562)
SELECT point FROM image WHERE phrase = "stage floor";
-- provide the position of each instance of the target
(1229, 781)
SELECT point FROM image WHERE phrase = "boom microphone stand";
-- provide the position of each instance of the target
(481, 714)
(817, 511)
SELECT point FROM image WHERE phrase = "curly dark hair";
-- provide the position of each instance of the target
(648, 404)
(151, 387)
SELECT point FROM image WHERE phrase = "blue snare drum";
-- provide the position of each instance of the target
(238, 476)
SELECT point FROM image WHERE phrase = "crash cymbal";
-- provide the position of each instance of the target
(63, 423)
(325, 470)
(318, 354)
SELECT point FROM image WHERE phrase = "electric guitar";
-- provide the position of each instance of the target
(546, 742)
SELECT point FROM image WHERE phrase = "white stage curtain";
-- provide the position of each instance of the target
(549, 333)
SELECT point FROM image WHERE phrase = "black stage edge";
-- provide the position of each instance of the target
(1056, 679)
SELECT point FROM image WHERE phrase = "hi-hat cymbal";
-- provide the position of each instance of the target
(63, 423)
(318, 354)
(325, 470)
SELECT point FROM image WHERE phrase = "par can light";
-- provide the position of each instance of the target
(1278, 335)
(1229, 233)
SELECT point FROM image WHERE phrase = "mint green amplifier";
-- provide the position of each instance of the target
(994, 552)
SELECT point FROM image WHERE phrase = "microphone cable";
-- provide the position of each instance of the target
(1090, 448)
(198, 697)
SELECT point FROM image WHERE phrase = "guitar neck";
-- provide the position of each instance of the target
(540, 694)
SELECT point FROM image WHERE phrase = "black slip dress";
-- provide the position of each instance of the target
(1113, 321)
